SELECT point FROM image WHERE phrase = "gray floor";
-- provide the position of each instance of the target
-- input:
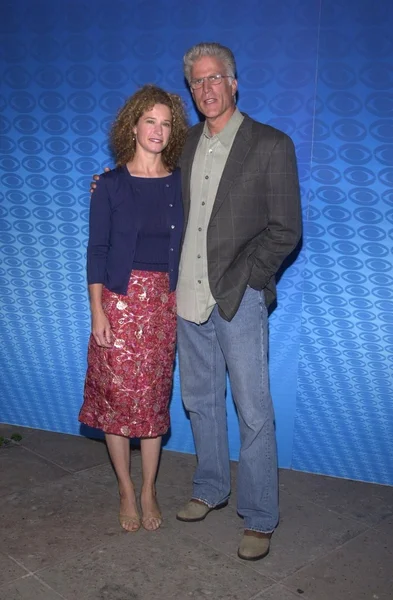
(60, 537)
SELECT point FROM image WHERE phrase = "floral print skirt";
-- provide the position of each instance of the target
(128, 386)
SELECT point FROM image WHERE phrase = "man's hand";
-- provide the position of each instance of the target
(96, 177)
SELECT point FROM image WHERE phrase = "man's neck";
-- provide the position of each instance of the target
(217, 124)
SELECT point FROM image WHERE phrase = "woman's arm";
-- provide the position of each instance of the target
(99, 233)
(97, 252)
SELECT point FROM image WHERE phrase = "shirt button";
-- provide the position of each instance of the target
(171, 249)
(167, 185)
(206, 176)
(210, 150)
(199, 228)
(172, 227)
(198, 256)
(203, 203)
(199, 281)
(171, 205)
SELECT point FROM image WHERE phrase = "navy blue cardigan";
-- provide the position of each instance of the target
(113, 231)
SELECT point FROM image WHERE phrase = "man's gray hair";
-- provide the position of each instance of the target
(209, 49)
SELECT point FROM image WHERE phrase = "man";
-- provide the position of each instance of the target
(242, 216)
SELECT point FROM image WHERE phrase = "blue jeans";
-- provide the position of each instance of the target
(205, 351)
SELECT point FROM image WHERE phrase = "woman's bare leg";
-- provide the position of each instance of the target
(150, 451)
(119, 451)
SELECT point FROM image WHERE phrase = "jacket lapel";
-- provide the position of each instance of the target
(240, 148)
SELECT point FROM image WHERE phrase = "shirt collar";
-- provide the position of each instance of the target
(226, 135)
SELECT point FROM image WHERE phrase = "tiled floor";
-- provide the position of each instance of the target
(60, 537)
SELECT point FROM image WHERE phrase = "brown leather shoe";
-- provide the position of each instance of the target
(254, 545)
(196, 510)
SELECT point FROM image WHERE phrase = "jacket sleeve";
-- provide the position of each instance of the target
(284, 228)
(99, 233)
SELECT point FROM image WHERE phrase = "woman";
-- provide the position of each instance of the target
(132, 267)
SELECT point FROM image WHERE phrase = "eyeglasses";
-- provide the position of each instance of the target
(216, 79)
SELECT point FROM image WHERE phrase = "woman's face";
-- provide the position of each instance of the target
(153, 129)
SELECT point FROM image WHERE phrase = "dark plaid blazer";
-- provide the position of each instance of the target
(256, 218)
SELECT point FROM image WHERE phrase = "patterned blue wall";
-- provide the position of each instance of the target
(320, 71)
(344, 423)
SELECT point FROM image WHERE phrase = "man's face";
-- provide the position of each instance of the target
(213, 101)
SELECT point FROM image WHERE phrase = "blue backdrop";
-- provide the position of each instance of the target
(321, 70)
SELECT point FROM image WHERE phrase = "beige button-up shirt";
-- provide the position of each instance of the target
(194, 298)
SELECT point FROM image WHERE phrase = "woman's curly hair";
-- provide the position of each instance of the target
(122, 137)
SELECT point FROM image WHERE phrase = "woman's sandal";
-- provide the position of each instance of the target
(150, 519)
(127, 521)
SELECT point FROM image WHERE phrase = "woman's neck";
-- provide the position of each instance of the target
(142, 166)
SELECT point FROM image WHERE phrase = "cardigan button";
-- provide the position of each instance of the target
(172, 227)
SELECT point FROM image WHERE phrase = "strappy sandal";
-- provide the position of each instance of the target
(126, 521)
(149, 519)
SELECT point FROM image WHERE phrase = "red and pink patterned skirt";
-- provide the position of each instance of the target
(128, 386)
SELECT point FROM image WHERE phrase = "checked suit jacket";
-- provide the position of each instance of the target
(256, 218)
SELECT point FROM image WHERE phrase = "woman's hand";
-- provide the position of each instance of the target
(101, 330)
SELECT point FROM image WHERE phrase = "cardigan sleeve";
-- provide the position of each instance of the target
(99, 232)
